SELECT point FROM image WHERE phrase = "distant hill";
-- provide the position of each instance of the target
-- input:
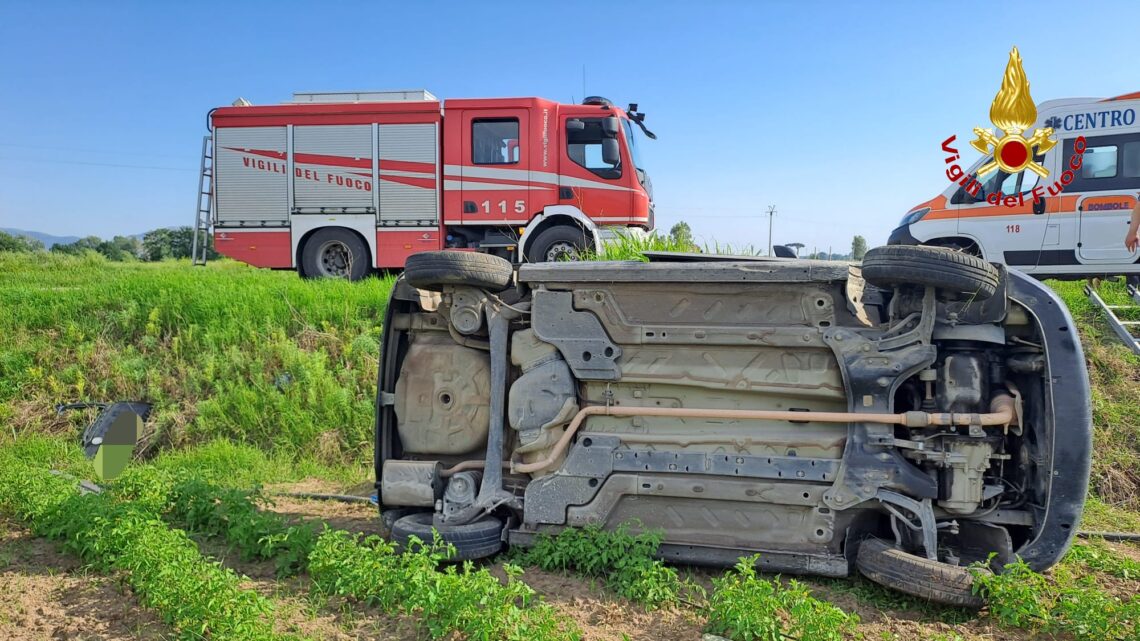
(47, 239)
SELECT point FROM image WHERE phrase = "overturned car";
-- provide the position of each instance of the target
(907, 417)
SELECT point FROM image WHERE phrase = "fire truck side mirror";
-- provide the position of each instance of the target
(610, 127)
(611, 153)
(575, 125)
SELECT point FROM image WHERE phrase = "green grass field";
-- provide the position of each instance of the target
(260, 377)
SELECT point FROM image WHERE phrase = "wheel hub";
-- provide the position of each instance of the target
(561, 250)
(335, 259)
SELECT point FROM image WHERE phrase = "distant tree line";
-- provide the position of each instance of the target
(20, 244)
(156, 244)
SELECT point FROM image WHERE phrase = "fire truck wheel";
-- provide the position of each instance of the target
(563, 242)
(945, 269)
(334, 253)
(434, 270)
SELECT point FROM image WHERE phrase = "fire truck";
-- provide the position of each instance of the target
(341, 184)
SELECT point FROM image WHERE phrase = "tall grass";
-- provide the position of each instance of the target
(1114, 372)
(221, 351)
(630, 247)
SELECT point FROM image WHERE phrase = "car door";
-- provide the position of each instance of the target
(1105, 185)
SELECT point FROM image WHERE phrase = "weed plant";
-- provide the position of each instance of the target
(623, 559)
(162, 565)
(445, 599)
(232, 514)
(1068, 602)
(747, 607)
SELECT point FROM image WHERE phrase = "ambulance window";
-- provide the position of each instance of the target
(1099, 162)
(1105, 163)
(495, 141)
(1132, 159)
(1009, 185)
(1028, 181)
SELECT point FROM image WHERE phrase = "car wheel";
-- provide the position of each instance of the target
(938, 267)
(563, 242)
(335, 253)
(434, 270)
(477, 540)
(934, 581)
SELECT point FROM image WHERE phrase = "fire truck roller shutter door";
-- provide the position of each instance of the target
(251, 179)
(332, 169)
(409, 169)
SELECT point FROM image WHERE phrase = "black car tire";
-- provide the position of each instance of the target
(477, 540)
(335, 252)
(552, 243)
(938, 267)
(434, 270)
(934, 581)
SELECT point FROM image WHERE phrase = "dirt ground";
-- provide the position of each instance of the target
(46, 594)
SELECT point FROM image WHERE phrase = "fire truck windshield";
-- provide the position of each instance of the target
(634, 153)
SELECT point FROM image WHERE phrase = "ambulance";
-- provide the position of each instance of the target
(1075, 230)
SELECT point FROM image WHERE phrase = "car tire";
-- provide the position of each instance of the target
(938, 267)
(335, 252)
(562, 242)
(917, 576)
(477, 540)
(434, 270)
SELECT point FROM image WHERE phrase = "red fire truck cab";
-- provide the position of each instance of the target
(341, 184)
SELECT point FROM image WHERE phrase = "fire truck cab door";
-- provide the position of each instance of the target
(496, 167)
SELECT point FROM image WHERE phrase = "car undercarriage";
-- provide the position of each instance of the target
(908, 417)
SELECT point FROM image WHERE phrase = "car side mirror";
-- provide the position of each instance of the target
(1039, 206)
(611, 152)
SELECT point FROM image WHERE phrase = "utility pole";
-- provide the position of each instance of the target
(771, 215)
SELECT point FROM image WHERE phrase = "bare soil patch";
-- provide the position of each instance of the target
(46, 594)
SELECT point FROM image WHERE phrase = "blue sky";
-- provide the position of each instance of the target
(833, 112)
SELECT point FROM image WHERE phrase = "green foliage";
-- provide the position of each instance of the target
(233, 514)
(225, 351)
(119, 248)
(172, 242)
(163, 566)
(1097, 556)
(1113, 371)
(455, 599)
(682, 234)
(625, 561)
(210, 509)
(633, 247)
(746, 607)
(1070, 603)
(19, 244)
(858, 248)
